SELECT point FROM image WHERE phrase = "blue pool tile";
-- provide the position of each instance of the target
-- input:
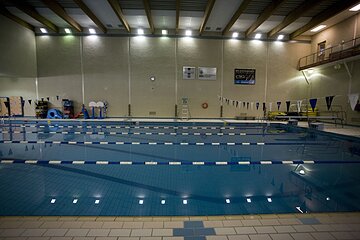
(195, 238)
(309, 221)
(204, 231)
(193, 224)
(182, 232)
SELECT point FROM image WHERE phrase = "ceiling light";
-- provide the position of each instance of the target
(310, 71)
(269, 199)
(258, 36)
(140, 31)
(280, 37)
(318, 28)
(188, 32)
(235, 34)
(355, 9)
(227, 201)
(141, 201)
(43, 30)
(67, 30)
(163, 202)
(75, 201)
(185, 201)
(92, 31)
(53, 200)
(164, 32)
(97, 201)
(248, 200)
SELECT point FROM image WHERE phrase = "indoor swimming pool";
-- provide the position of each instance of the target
(180, 168)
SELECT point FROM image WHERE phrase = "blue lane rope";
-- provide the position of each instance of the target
(176, 163)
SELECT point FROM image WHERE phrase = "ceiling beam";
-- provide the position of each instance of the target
(177, 15)
(269, 10)
(207, 13)
(60, 11)
(148, 15)
(6, 13)
(117, 9)
(237, 14)
(324, 15)
(31, 11)
(295, 14)
(91, 15)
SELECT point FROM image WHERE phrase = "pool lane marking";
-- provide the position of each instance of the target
(195, 163)
(160, 143)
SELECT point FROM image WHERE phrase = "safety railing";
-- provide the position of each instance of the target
(343, 50)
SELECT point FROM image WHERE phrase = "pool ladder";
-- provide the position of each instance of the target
(185, 109)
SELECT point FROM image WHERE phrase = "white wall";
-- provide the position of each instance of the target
(334, 79)
(17, 62)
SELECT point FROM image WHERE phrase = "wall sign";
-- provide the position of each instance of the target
(206, 73)
(188, 72)
(244, 76)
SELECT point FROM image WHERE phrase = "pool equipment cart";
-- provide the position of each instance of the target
(68, 108)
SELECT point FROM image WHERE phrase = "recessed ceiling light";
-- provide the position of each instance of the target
(318, 28)
(163, 202)
(227, 201)
(355, 9)
(188, 32)
(43, 30)
(269, 199)
(75, 201)
(164, 32)
(141, 201)
(185, 201)
(140, 31)
(280, 37)
(53, 200)
(258, 36)
(248, 200)
(235, 34)
(92, 31)
(67, 30)
(97, 201)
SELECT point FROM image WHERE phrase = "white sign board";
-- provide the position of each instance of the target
(188, 72)
(206, 73)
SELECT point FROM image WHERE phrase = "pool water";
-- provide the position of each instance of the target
(160, 169)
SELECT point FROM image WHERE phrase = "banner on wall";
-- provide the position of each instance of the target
(313, 103)
(189, 73)
(244, 76)
(329, 100)
(206, 73)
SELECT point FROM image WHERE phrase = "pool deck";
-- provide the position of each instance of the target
(236, 227)
(318, 226)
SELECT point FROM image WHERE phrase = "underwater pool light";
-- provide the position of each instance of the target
(75, 200)
(141, 201)
(185, 201)
(53, 200)
(269, 199)
(163, 202)
(227, 201)
(97, 201)
(302, 172)
(327, 199)
(248, 200)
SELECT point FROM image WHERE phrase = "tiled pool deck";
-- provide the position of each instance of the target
(236, 227)
(319, 226)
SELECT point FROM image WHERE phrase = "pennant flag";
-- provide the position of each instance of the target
(29, 101)
(252, 105)
(42, 99)
(278, 105)
(264, 106)
(313, 102)
(247, 105)
(22, 103)
(353, 99)
(233, 102)
(298, 104)
(26, 148)
(257, 106)
(48, 98)
(10, 152)
(329, 100)
(7, 104)
(57, 98)
(237, 103)
(287, 106)
(33, 147)
(244, 103)
(270, 106)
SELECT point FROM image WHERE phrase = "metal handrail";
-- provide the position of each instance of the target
(342, 50)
